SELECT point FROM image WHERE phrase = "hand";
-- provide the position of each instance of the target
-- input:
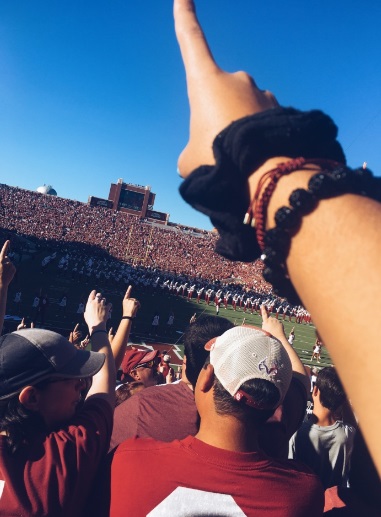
(272, 325)
(97, 311)
(85, 341)
(75, 335)
(130, 305)
(21, 325)
(7, 269)
(216, 98)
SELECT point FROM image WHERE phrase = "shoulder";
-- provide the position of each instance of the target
(142, 445)
(92, 424)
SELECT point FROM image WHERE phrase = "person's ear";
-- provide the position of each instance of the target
(206, 378)
(29, 398)
(315, 391)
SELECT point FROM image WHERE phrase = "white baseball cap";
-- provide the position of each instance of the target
(245, 353)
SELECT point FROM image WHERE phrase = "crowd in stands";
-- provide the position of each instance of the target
(122, 236)
(219, 441)
(152, 402)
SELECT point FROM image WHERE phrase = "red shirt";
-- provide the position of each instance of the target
(53, 476)
(189, 477)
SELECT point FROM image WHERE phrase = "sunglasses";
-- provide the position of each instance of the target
(149, 364)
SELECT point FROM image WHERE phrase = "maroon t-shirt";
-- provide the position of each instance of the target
(53, 476)
(165, 413)
(198, 479)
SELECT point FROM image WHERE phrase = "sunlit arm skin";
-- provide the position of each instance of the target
(275, 327)
(7, 272)
(96, 315)
(119, 342)
(344, 265)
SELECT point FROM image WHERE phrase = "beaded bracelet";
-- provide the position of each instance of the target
(323, 185)
(97, 331)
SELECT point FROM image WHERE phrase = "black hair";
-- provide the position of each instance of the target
(125, 391)
(19, 423)
(332, 394)
(195, 337)
(261, 390)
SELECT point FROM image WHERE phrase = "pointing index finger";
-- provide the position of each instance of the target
(194, 48)
(264, 313)
(128, 292)
(4, 250)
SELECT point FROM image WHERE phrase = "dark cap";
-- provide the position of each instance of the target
(32, 355)
(132, 358)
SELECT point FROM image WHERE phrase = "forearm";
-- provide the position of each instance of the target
(104, 381)
(334, 259)
(120, 341)
(297, 366)
(3, 304)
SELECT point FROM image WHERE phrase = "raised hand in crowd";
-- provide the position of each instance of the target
(276, 328)
(7, 272)
(21, 325)
(130, 307)
(342, 225)
(96, 316)
(75, 335)
(216, 98)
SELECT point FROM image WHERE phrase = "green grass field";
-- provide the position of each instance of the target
(31, 280)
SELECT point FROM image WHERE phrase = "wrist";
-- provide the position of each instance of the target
(285, 185)
(95, 327)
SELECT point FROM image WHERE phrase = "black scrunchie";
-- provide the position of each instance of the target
(221, 191)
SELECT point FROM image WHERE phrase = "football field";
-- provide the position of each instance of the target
(32, 280)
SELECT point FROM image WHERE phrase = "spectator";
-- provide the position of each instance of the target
(207, 472)
(141, 366)
(125, 391)
(325, 443)
(168, 412)
(47, 437)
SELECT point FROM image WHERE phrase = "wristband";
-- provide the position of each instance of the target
(220, 191)
(100, 330)
(128, 317)
(323, 185)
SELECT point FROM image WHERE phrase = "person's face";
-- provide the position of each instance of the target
(146, 373)
(58, 400)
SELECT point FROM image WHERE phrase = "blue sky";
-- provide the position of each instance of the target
(94, 90)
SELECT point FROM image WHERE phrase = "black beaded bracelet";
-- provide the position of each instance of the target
(97, 331)
(128, 317)
(323, 185)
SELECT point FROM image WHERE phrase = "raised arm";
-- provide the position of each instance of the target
(96, 315)
(119, 341)
(335, 253)
(7, 272)
(275, 327)
(216, 98)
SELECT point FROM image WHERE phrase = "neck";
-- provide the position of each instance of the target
(323, 416)
(228, 433)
